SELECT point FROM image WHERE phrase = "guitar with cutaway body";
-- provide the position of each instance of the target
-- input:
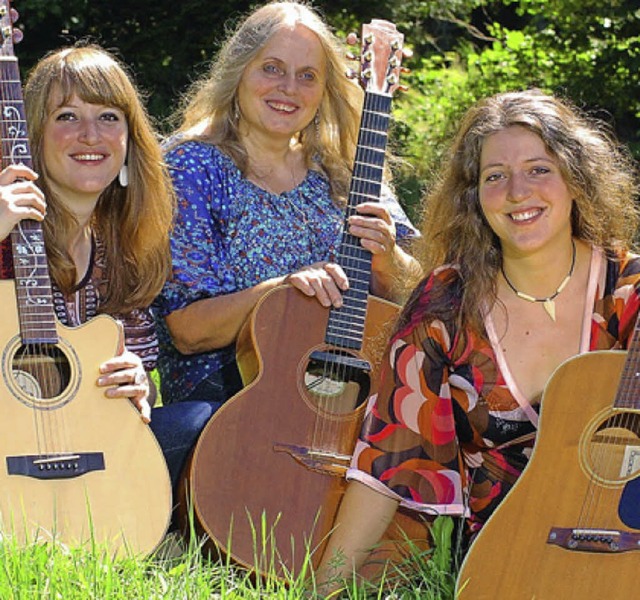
(75, 467)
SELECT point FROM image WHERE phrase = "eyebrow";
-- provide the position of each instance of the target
(528, 160)
(280, 60)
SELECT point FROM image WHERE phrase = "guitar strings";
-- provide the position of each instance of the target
(611, 441)
(33, 368)
(367, 171)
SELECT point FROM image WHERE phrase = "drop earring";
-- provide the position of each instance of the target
(123, 176)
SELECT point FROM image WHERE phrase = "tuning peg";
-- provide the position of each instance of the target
(403, 88)
(351, 74)
(405, 70)
(352, 39)
(352, 56)
(407, 53)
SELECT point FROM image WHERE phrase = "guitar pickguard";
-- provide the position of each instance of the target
(629, 508)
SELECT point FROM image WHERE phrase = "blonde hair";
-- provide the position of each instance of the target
(133, 222)
(597, 169)
(210, 110)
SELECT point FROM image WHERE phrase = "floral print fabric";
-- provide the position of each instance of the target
(229, 236)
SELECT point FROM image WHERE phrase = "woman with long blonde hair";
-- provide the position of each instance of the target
(261, 163)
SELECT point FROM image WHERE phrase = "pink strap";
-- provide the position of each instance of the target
(524, 403)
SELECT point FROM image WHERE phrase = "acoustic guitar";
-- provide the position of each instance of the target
(75, 467)
(570, 526)
(267, 474)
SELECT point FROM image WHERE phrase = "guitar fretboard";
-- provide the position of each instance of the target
(346, 324)
(33, 284)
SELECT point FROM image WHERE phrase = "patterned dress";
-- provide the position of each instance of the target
(449, 432)
(231, 235)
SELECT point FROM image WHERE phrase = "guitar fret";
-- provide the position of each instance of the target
(33, 287)
(366, 185)
(366, 166)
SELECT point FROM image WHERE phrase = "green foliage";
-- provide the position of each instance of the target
(48, 571)
(463, 50)
(576, 48)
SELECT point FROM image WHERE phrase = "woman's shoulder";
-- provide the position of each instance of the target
(436, 297)
(623, 268)
(194, 154)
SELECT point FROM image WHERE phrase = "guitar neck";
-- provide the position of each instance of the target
(346, 324)
(33, 284)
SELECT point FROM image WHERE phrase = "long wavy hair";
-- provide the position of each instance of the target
(133, 222)
(210, 113)
(597, 169)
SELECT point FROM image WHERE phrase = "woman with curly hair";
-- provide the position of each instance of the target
(526, 242)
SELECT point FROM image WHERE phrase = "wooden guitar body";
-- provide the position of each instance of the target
(76, 466)
(570, 527)
(268, 471)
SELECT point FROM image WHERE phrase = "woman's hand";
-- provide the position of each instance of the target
(389, 262)
(124, 377)
(377, 232)
(20, 198)
(326, 281)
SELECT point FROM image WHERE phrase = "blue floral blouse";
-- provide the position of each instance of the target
(230, 235)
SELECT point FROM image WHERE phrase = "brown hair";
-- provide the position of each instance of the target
(133, 222)
(597, 169)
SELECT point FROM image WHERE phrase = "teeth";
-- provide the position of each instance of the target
(523, 216)
(284, 107)
(89, 156)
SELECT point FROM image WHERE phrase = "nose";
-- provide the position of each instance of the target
(519, 188)
(288, 83)
(89, 132)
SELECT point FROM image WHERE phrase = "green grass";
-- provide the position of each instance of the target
(44, 571)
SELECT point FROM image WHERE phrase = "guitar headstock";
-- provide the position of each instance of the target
(8, 35)
(381, 57)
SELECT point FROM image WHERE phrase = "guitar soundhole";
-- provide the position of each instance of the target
(41, 372)
(613, 451)
(337, 381)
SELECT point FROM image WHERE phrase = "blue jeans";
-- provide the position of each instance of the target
(217, 388)
(177, 427)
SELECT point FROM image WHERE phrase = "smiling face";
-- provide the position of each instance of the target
(281, 88)
(83, 147)
(523, 194)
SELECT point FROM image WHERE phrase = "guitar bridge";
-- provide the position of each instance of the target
(58, 466)
(328, 463)
(594, 540)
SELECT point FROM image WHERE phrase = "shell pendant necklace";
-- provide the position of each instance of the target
(549, 302)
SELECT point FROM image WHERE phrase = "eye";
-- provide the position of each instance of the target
(110, 116)
(540, 170)
(492, 177)
(308, 76)
(66, 115)
(271, 69)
